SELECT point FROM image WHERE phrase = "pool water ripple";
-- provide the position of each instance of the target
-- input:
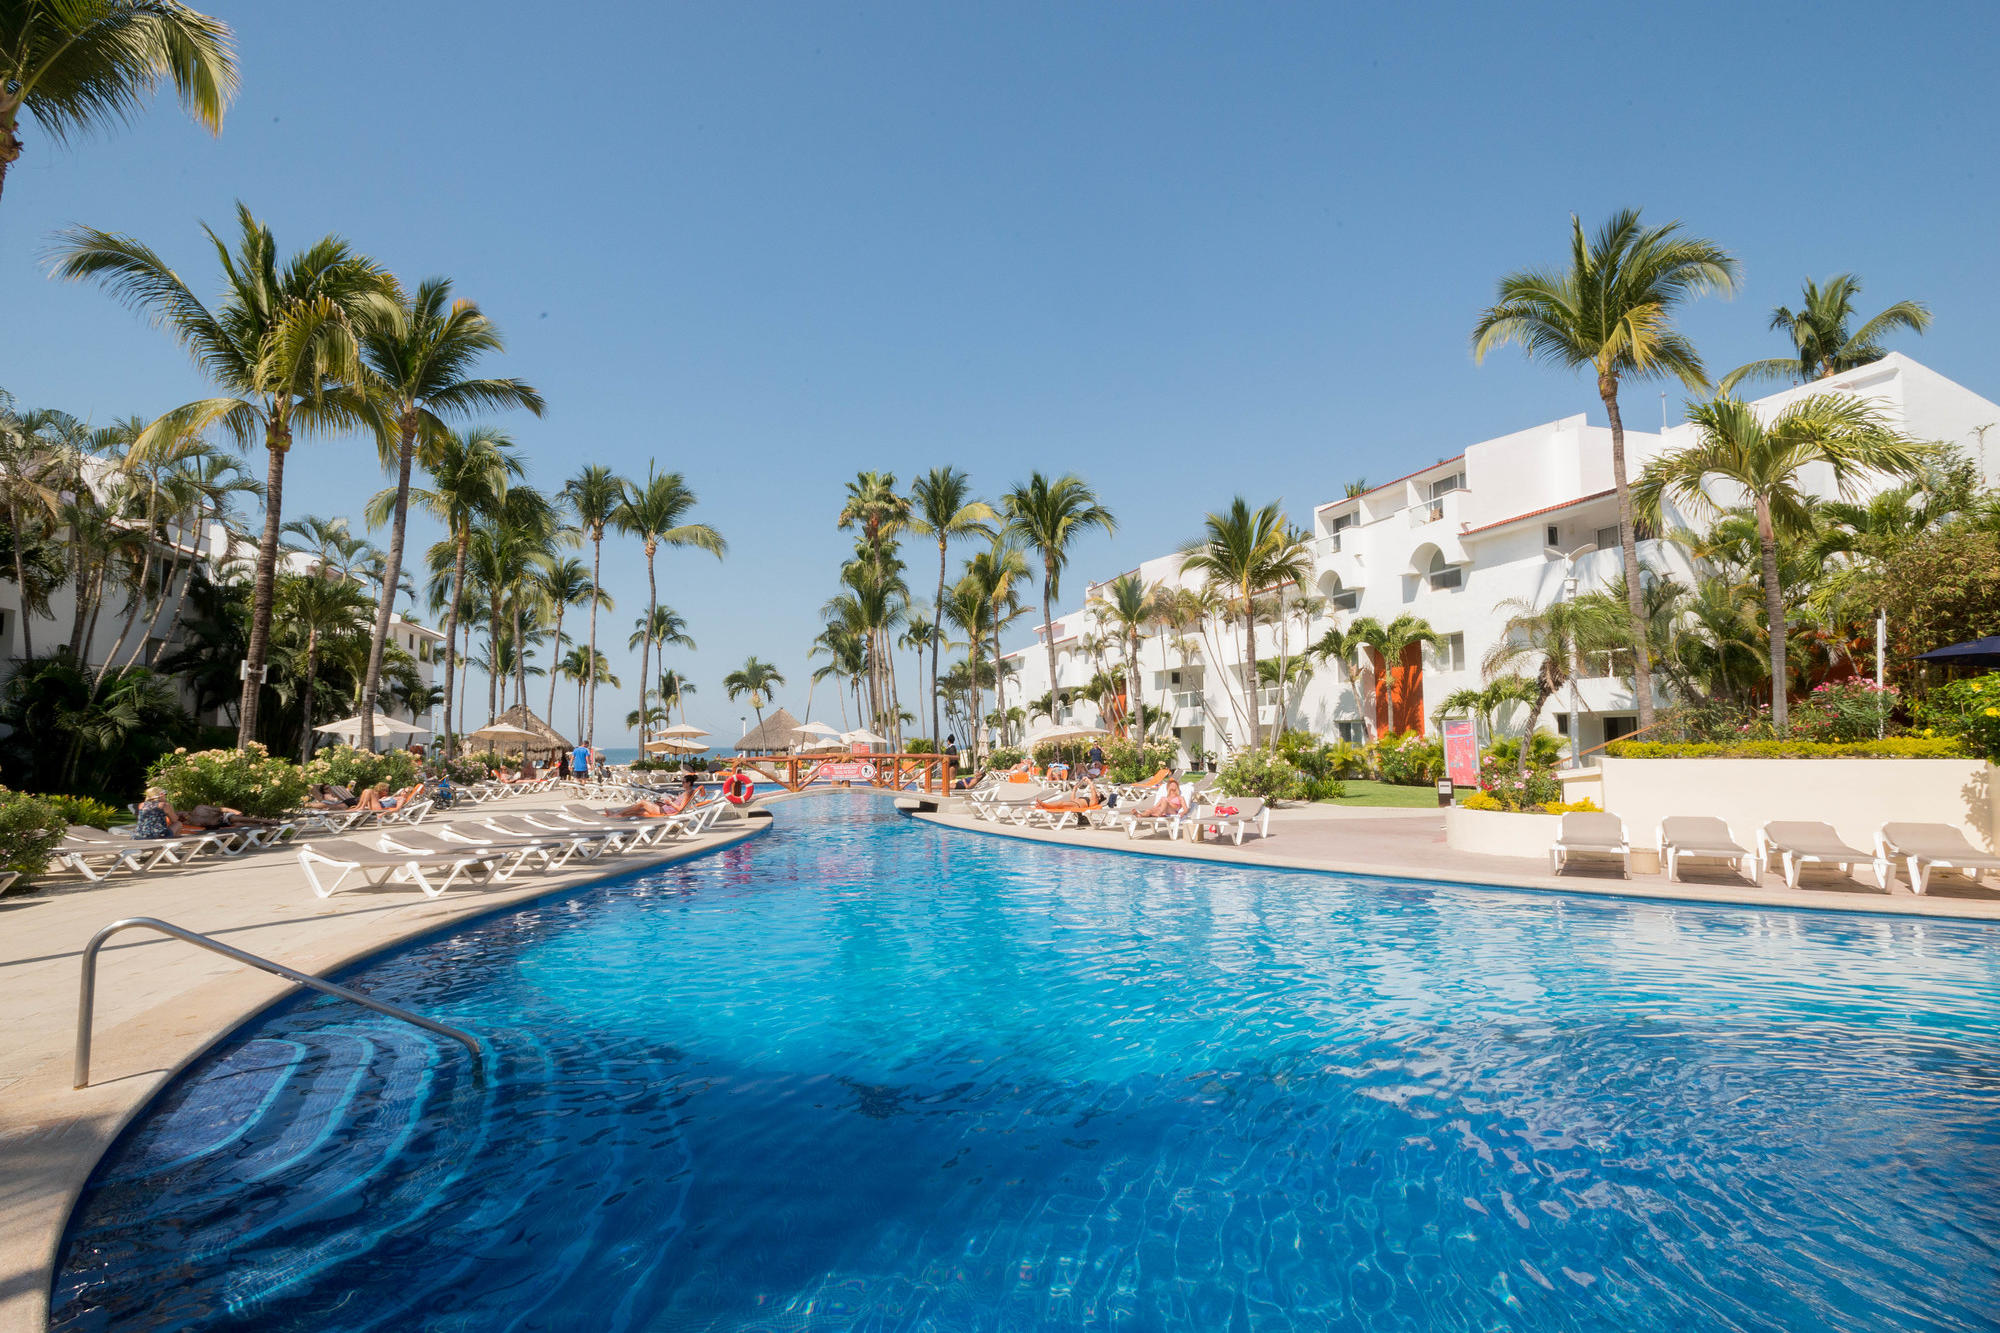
(869, 1074)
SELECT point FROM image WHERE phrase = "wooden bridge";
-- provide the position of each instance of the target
(930, 773)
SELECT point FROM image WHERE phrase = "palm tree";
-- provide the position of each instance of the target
(564, 583)
(1127, 604)
(998, 572)
(1374, 649)
(332, 545)
(321, 606)
(1611, 310)
(656, 513)
(1549, 641)
(666, 626)
(31, 493)
(576, 667)
(419, 377)
(1819, 331)
(594, 495)
(80, 65)
(674, 691)
(1245, 552)
(469, 471)
(283, 343)
(1765, 460)
(1049, 515)
(755, 679)
(967, 604)
(942, 507)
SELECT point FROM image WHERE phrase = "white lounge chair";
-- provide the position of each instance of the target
(1013, 804)
(143, 854)
(379, 866)
(588, 843)
(1703, 836)
(443, 839)
(1136, 823)
(1593, 833)
(1244, 811)
(1923, 848)
(1796, 843)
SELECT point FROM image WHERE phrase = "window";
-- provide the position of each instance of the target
(1340, 521)
(1616, 727)
(1553, 537)
(1446, 485)
(1562, 724)
(1451, 653)
(1352, 732)
(1607, 538)
(1443, 577)
(1345, 599)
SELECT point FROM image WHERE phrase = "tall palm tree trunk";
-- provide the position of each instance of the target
(1048, 642)
(555, 648)
(646, 645)
(276, 441)
(1774, 611)
(306, 696)
(589, 725)
(1628, 546)
(937, 633)
(1250, 656)
(392, 572)
(1544, 691)
(451, 643)
(999, 682)
(20, 562)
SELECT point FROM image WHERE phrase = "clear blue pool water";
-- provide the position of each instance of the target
(865, 1074)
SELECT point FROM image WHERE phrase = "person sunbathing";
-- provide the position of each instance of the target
(1168, 803)
(645, 809)
(377, 797)
(326, 797)
(1085, 798)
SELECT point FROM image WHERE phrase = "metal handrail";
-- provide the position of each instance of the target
(87, 1001)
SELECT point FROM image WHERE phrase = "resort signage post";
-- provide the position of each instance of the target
(1461, 752)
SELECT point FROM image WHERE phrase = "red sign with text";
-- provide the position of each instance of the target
(1461, 752)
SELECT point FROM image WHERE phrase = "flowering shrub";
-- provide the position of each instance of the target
(30, 828)
(1005, 756)
(1125, 761)
(1408, 760)
(1260, 773)
(1968, 710)
(346, 766)
(1892, 747)
(1848, 710)
(251, 780)
(86, 811)
(1502, 781)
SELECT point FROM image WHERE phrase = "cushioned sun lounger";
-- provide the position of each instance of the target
(1593, 833)
(376, 865)
(1799, 842)
(589, 843)
(1923, 848)
(1702, 836)
(1243, 812)
(639, 832)
(1136, 823)
(1009, 803)
(543, 853)
(142, 854)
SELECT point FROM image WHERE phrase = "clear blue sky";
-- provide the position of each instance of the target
(1184, 250)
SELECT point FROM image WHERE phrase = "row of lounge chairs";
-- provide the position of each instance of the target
(1791, 845)
(493, 850)
(1026, 805)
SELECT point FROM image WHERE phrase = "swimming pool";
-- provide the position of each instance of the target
(865, 1073)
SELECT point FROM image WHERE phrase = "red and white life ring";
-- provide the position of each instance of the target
(738, 788)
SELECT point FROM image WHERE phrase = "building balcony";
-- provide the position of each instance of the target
(1325, 548)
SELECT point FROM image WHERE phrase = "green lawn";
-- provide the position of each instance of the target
(1361, 791)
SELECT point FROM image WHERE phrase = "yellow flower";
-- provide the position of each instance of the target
(1993, 712)
(1977, 687)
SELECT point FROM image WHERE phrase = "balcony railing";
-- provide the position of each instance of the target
(1187, 698)
(1429, 511)
(1326, 547)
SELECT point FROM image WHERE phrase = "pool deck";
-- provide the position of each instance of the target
(1410, 844)
(161, 1002)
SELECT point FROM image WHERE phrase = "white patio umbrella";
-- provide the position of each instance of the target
(384, 725)
(819, 729)
(1067, 732)
(675, 745)
(863, 736)
(680, 731)
(501, 731)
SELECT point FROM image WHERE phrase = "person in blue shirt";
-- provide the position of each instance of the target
(579, 759)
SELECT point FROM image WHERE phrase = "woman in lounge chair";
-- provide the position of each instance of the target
(157, 817)
(645, 809)
(1168, 803)
(1078, 802)
(324, 797)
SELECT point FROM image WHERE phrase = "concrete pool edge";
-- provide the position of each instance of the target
(52, 1136)
(1901, 906)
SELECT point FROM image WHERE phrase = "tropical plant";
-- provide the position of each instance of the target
(469, 473)
(562, 584)
(656, 513)
(942, 507)
(1820, 334)
(31, 828)
(1549, 641)
(1049, 515)
(1259, 772)
(754, 678)
(284, 345)
(1611, 311)
(83, 65)
(1842, 433)
(1375, 651)
(593, 496)
(1244, 552)
(71, 732)
(998, 573)
(1969, 710)
(249, 779)
(356, 769)
(321, 608)
(419, 379)
(1127, 604)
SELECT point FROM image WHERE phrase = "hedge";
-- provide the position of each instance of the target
(1892, 747)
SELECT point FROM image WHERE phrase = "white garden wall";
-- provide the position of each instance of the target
(1856, 796)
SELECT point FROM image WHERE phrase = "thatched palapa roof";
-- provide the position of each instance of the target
(546, 736)
(775, 733)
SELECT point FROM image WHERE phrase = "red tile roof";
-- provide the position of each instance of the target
(1442, 462)
(1535, 513)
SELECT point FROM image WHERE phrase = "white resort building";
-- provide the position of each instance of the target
(1528, 517)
